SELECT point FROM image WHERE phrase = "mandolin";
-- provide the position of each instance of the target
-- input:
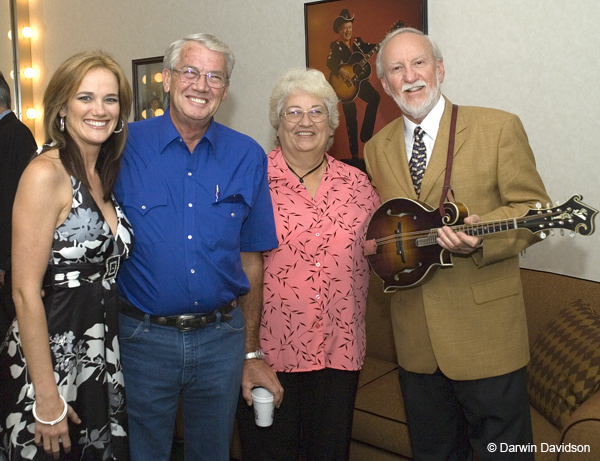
(358, 68)
(401, 238)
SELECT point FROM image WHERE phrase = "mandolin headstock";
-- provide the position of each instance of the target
(572, 215)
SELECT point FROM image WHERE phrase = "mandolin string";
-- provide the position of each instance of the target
(417, 235)
(461, 227)
(423, 234)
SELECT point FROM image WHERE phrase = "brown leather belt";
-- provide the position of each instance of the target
(184, 322)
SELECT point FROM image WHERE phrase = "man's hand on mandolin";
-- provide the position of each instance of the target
(459, 242)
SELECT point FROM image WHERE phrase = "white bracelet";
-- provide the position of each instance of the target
(56, 421)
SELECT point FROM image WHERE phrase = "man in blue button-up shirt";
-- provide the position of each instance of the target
(196, 193)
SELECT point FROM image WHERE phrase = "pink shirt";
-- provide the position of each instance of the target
(315, 286)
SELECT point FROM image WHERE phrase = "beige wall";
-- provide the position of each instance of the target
(536, 59)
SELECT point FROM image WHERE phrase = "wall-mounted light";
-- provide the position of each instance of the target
(12, 74)
(25, 74)
(148, 113)
(158, 77)
(26, 31)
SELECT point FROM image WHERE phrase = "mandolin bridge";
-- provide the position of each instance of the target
(399, 243)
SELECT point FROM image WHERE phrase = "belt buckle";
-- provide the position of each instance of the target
(112, 268)
(179, 322)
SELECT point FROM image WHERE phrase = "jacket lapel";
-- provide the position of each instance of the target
(395, 154)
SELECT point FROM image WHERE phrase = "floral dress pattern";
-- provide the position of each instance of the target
(81, 309)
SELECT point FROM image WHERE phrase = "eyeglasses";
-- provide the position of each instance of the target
(317, 114)
(191, 76)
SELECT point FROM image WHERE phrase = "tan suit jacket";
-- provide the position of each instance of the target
(469, 320)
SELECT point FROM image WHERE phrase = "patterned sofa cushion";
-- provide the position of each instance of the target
(565, 363)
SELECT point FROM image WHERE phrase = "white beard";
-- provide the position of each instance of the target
(421, 110)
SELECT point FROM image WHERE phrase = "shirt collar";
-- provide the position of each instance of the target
(431, 123)
(336, 168)
(5, 113)
(281, 172)
(211, 136)
(167, 133)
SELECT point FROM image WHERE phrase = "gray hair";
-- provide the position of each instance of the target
(4, 93)
(173, 53)
(437, 54)
(308, 81)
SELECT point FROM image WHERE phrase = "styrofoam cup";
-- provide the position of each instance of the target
(264, 408)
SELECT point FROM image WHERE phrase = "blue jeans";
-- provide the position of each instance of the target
(204, 366)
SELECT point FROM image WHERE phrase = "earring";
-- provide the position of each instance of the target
(122, 126)
(62, 124)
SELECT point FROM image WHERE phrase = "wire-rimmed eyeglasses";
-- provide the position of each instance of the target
(317, 114)
(191, 76)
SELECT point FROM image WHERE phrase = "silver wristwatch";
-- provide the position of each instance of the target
(257, 354)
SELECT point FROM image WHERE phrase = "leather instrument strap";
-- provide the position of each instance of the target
(447, 190)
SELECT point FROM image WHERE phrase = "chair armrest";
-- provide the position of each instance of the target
(583, 428)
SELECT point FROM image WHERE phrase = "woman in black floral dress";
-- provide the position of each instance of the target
(60, 372)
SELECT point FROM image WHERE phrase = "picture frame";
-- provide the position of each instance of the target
(148, 94)
(370, 21)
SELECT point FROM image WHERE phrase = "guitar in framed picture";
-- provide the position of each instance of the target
(348, 76)
(343, 38)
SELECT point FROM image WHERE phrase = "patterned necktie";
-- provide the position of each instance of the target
(418, 160)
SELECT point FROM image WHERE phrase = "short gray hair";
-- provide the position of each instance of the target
(173, 53)
(4, 93)
(437, 54)
(309, 81)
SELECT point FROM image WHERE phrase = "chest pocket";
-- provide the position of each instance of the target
(229, 214)
(147, 215)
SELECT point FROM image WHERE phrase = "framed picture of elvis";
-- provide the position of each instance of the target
(342, 39)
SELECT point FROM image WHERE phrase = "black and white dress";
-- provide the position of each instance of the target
(81, 309)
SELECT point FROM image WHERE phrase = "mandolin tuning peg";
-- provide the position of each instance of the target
(538, 205)
(557, 202)
(562, 232)
(548, 205)
(542, 235)
(551, 232)
(572, 234)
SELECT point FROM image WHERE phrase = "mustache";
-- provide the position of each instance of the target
(414, 86)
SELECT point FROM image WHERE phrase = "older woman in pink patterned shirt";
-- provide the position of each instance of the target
(315, 285)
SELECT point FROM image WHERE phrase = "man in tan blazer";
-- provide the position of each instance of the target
(461, 338)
